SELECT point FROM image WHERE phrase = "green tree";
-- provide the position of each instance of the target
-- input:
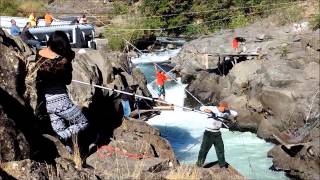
(170, 14)
(8, 8)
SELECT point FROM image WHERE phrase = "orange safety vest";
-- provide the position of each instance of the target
(161, 78)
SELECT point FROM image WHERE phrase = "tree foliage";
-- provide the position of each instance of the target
(196, 17)
(8, 7)
(203, 16)
(20, 7)
(315, 22)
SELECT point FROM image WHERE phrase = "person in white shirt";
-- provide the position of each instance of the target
(212, 134)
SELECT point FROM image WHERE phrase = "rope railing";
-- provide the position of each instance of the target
(140, 96)
(221, 119)
(167, 73)
(195, 98)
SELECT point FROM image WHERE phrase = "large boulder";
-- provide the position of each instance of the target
(86, 71)
(17, 121)
(66, 169)
(244, 76)
(135, 150)
(206, 87)
(302, 161)
(144, 139)
(32, 170)
(210, 171)
(110, 166)
(22, 125)
(193, 54)
(27, 169)
(248, 115)
(276, 91)
(13, 143)
(266, 130)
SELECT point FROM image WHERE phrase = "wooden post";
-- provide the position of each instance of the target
(206, 61)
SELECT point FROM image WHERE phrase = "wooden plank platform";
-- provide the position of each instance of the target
(155, 108)
(289, 145)
(234, 54)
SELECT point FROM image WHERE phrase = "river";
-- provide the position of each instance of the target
(183, 129)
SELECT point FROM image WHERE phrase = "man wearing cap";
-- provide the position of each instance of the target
(212, 134)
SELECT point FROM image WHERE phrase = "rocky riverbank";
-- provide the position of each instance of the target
(274, 92)
(127, 150)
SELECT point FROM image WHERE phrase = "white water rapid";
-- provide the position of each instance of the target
(244, 151)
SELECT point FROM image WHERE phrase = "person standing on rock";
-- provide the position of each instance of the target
(54, 72)
(161, 78)
(212, 134)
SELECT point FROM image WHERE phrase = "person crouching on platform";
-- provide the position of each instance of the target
(212, 134)
(53, 74)
(161, 79)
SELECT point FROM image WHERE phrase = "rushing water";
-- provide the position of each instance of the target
(244, 151)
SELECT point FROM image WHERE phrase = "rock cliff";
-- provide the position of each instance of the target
(274, 92)
(24, 149)
(128, 149)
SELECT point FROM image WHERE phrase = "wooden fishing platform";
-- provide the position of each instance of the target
(223, 57)
(236, 54)
(287, 144)
(154, 109)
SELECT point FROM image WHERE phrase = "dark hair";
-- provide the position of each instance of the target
(59, 43)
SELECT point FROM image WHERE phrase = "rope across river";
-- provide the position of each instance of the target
(150, 99)
(139, 96)
(167, 73)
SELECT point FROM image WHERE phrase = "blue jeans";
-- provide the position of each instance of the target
(126, 108)
(33, 43)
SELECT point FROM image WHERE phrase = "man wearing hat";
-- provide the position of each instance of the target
(212, 134)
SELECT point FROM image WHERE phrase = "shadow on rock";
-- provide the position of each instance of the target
(26, 121)
(103, 116)
(211, 164)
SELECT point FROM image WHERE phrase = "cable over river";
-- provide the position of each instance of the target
(184, 129)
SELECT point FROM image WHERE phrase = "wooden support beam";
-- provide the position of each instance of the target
(156, 108)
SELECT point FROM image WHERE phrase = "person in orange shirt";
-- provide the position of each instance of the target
(161, 79)
(48, 18)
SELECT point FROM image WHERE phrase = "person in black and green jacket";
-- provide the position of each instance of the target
(212, 134)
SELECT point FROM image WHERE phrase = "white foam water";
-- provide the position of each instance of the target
(155, 57)
(184, 129)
